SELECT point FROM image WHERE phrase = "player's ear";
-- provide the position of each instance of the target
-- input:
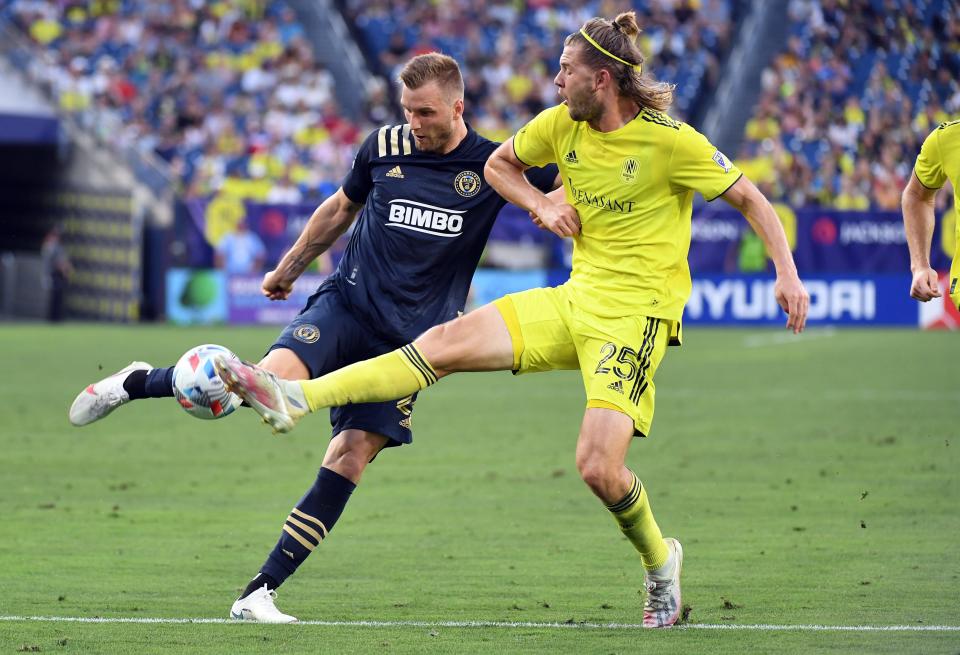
(602, 78)
(458, 108)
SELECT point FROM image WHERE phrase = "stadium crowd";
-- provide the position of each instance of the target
(846, 104)
(509, 50)
(229, 93)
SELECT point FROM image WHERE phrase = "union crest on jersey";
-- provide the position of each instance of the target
(306, 333)
(467, 184)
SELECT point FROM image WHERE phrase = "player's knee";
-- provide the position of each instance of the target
(350, 452)
(440, 345)
(597, 473)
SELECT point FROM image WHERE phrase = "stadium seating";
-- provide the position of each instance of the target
(509, 51)
(847, 103)
(230, 95)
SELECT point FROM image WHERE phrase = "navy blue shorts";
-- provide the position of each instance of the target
(326, 336)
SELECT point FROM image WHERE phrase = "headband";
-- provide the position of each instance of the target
(637, 67)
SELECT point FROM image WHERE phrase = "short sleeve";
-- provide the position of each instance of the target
(698, 165)
(358, 182)
(533, 144)
(929, 166)
(543, 177)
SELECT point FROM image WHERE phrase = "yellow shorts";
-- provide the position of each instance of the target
(617, 357)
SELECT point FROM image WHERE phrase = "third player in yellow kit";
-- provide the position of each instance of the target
(629, 174)
(938, 161)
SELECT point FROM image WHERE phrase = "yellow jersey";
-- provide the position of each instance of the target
(633, 189)
(938, 161)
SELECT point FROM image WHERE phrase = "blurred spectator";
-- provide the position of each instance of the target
(240, 251)
(57, 270)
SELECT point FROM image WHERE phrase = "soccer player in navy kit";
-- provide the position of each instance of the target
(426, 214)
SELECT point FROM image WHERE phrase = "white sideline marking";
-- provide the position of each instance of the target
(763, 627)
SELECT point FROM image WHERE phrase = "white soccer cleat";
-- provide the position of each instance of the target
(280, 403)
(662, 607)
(258, 606)
(101, 398)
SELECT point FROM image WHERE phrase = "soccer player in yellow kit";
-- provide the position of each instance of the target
(938, 161)
(629, 174)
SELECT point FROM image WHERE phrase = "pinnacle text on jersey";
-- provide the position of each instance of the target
(420, 217)
(583, 197)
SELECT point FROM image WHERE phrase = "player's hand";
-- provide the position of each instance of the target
(926, 285)
(558, 217)
(794, 299)
(275, 286)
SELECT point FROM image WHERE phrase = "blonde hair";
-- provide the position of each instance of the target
(433, 67)
(618, 37)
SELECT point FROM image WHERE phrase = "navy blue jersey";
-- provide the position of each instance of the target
(424, 224)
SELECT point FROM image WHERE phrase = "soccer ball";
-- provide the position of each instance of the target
(198, 388)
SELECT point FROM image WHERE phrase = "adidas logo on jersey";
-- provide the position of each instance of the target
(571, 157)
(616, 386)
(395, 172)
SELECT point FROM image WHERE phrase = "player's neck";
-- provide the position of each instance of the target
(459, 134)
(616, 114)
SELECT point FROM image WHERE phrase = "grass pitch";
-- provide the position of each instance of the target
(812, 481)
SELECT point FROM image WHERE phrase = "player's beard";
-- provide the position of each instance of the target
(436, 142)
(584, 107)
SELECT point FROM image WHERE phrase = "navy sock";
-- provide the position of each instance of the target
(308, 524)
(155, 383)
(258, 581)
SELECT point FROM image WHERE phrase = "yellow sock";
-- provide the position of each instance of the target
(633, 514)
(387, 377)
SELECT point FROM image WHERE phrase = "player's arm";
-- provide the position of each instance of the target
(328, 222)
(557, 195)
(504, 172)
(918, 222)
(758, 211)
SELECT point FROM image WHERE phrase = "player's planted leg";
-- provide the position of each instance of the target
(604, 439)
(310, 521)
(134, 381)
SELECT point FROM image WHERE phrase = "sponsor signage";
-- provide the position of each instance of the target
(209, 296)
(824, 242)
(841, 300)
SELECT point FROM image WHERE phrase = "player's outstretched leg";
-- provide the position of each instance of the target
(478, 341)
(258, 606)
(136, 380)
(281, 403)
